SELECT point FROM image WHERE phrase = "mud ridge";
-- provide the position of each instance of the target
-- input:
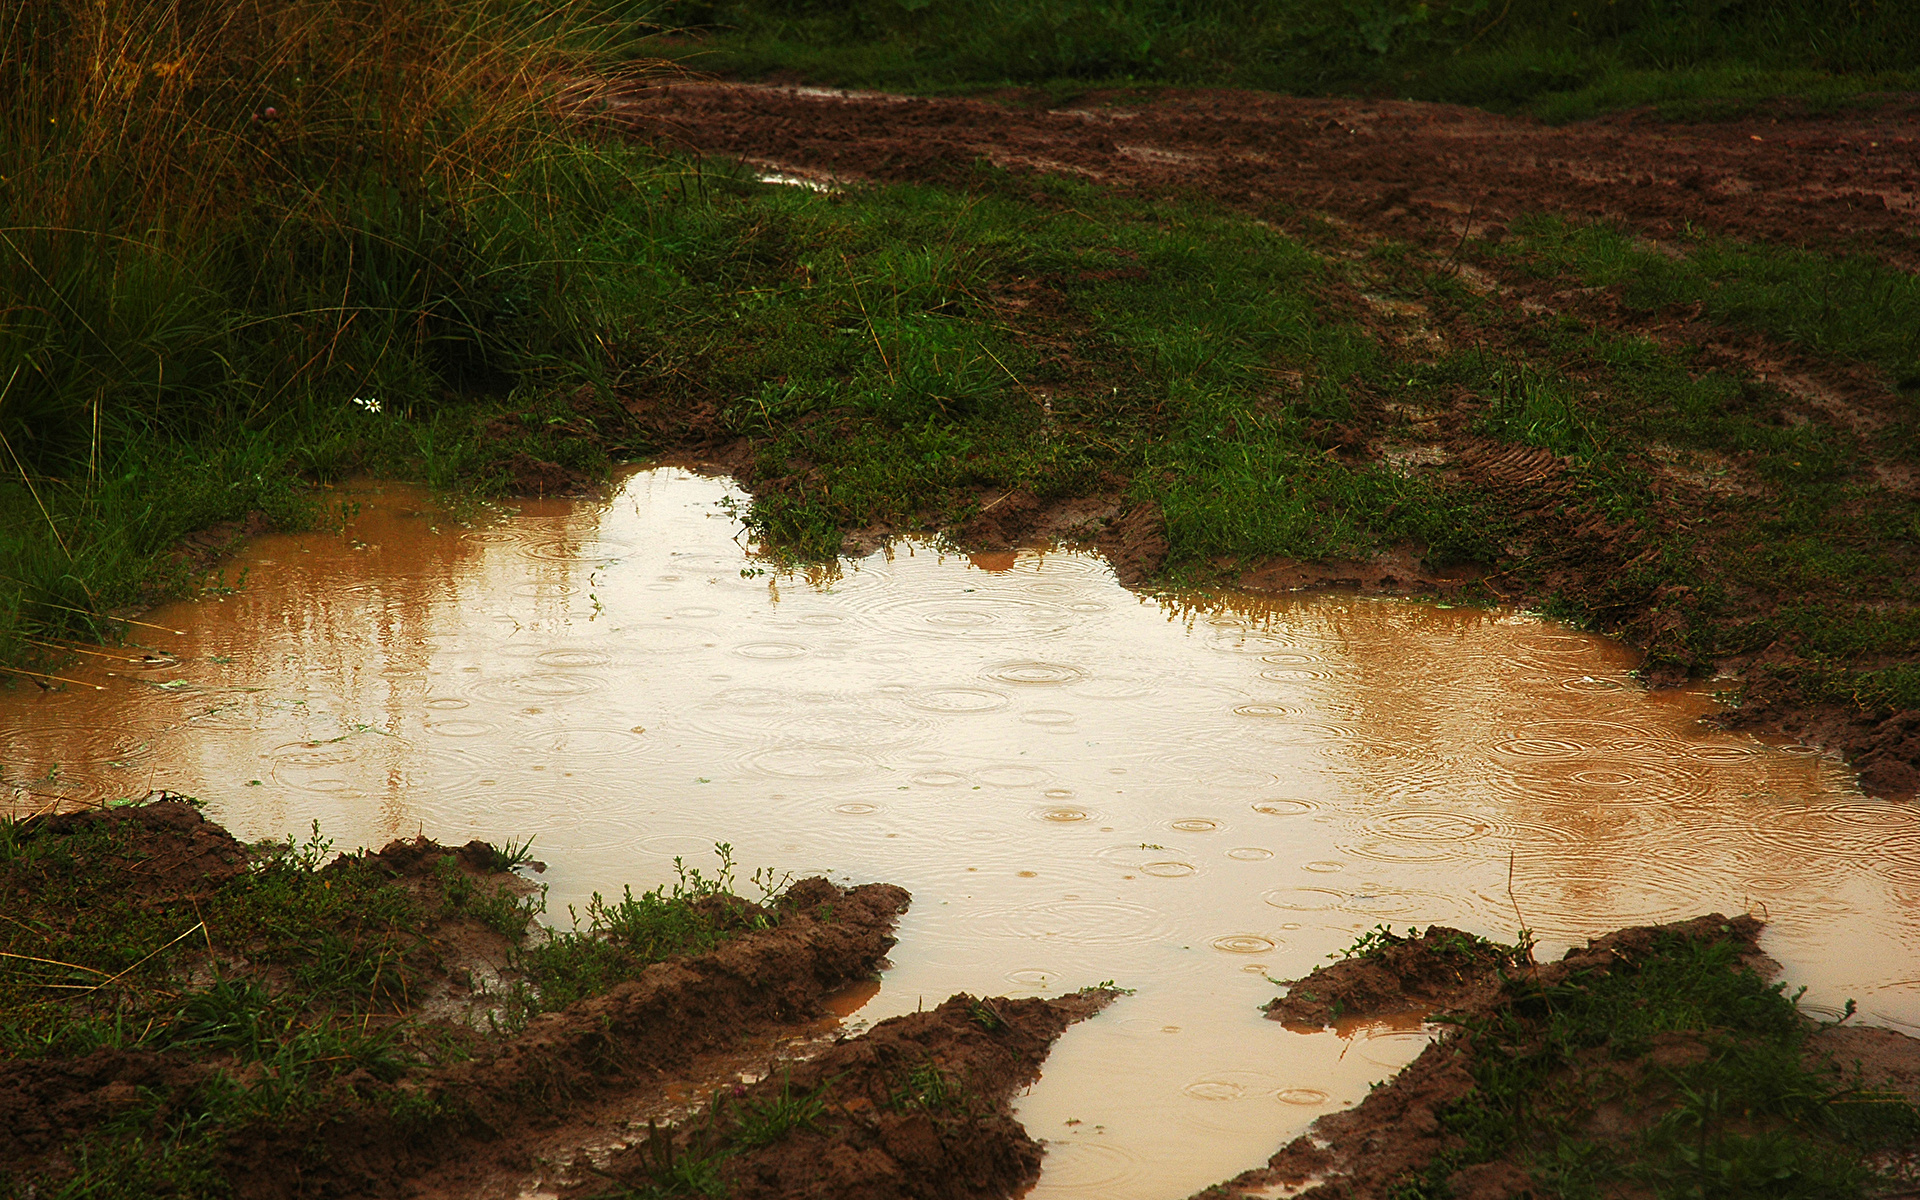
(919, 1106)
(631, 1035)
(1372, 1151)
(470, 1105)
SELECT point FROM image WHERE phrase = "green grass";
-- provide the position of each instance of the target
(1740, 1115)
(248, 246)
(902, 356)
(619, 940)
(1561, 59)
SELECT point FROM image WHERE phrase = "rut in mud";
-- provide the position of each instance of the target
(1419, 170)
(286, 1081)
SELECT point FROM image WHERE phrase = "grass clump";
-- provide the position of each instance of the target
(1559, 58)
(621, 939)
(1681, 1073)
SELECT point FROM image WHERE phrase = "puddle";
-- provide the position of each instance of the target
(1076, 784)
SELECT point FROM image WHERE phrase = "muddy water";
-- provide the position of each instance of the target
(1076, 784)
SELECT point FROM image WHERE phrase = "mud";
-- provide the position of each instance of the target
(477, 1111)
(1835, 182)
(1438, 971)
(1369, 1151)
(920, 1106)
(630, 1037)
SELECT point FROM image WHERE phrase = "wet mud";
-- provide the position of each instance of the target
(919, 1106)
(1438, 176)
(1436, 972)
(491, 1092)
(1844, 181)
(1372, 1151)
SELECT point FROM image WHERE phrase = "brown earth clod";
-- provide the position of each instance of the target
(917, 1107)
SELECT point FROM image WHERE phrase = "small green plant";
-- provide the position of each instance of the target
(1374, 942)
(925, 1087)
(983, 1014)
(763, 1121)
(508, 855)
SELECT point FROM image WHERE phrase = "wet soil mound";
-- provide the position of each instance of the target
(919, 1106)
(161, 849)
(325, 1028)
(1596, 1060)
(1440, 969)
(633, 1034)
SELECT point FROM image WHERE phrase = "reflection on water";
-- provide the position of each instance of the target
(1075, 783)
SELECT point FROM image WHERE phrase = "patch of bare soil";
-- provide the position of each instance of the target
(919, 1106)
(1366, 1152)
(1844, 181)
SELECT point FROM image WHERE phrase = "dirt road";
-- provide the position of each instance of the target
(1833, 182)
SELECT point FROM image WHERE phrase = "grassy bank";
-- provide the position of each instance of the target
(1561, 59)
(1059, 341)
(246, 245)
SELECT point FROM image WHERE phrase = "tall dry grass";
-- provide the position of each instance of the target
(221, 220)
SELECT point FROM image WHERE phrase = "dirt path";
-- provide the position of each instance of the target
(1406, 168)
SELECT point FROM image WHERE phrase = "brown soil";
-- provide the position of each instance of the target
(630, 1037)
(479, 1114)
(1435, 972)
(1833, 182)
(1437, 176)
(1365, 1152)
(919, 1106)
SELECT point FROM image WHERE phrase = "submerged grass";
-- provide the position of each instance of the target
(1561, 59)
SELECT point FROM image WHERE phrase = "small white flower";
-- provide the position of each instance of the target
(368, 403)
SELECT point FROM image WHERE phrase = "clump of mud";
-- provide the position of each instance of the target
(1438, 970)
(919, 1106)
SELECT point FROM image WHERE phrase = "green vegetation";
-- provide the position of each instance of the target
(288, 970)
(1677, 1075)
(455, 281)
(691, 916)
(244, 245)
(1561, 59)
(1451, 943)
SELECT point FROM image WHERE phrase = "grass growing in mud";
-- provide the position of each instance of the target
(1562, 59)
(1680, 1074)
(904, 356)
(910, 358)
(279, 982)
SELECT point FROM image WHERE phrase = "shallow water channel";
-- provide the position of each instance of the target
(1076, 783)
